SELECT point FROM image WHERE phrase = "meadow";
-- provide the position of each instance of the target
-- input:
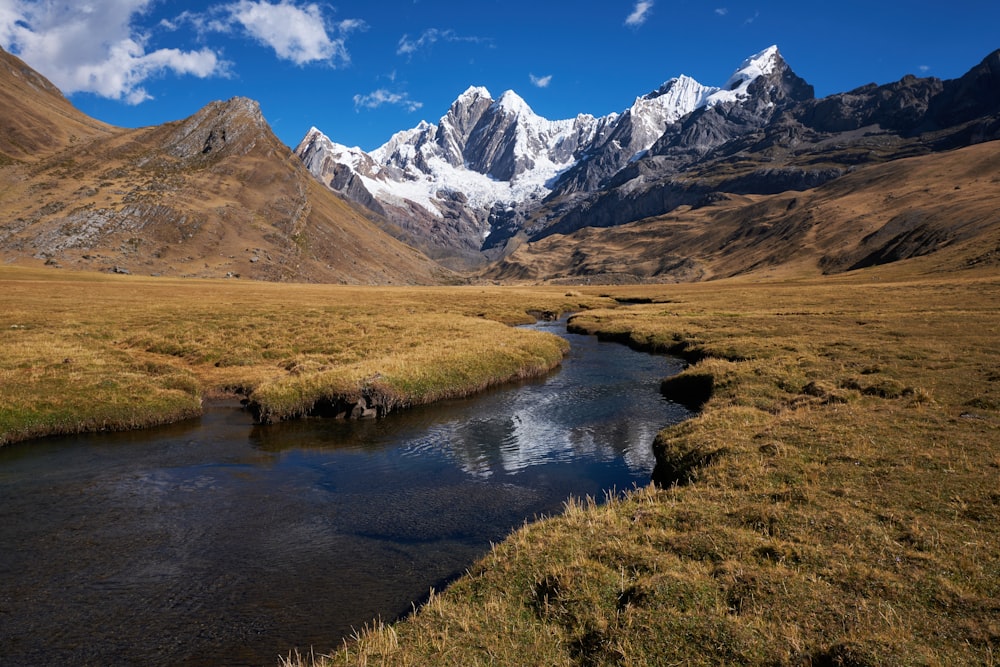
(88, 352)
(835, 501)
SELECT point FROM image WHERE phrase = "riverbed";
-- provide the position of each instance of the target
(221, 542)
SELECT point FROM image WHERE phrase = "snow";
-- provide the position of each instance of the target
(757, 65)
(473, 92)
(515, 104)
(422, 169)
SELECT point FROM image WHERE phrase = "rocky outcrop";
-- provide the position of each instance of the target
(220, 129)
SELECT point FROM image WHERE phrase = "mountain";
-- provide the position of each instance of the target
(491, 175)
(690, 182)
(445, 184)
(462, 187)
(213, 195)
(794, 145)
(938, 208)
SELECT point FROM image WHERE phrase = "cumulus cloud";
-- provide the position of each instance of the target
(640, 13)
(95, 47)
(296, 33)
(380, 97)
(408, 46)
(540, 81)
(100, 47)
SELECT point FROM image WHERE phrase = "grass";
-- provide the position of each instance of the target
(84, 352)
(836, 500)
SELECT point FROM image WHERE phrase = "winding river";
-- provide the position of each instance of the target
(219, 542)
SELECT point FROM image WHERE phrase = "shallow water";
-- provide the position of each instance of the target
(219, 542)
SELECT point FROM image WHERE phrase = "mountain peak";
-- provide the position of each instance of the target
(514, 103)
(233, 126)
(760, 64)
(473, 93)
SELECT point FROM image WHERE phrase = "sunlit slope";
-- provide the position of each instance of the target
(35, 118)
(941, 206)
(213, 195)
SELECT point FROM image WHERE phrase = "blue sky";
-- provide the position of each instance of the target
(361, 71)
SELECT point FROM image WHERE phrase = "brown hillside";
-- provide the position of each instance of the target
(35, 118)
(214, 195)
(943, 206)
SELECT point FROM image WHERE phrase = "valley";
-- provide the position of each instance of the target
(827, 269)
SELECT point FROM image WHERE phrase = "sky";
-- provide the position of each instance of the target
(361, 71)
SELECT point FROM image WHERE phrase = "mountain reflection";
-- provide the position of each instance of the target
(602, 405)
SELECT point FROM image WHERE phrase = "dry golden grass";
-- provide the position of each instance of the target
(838, 502)
(848, 514)
(86, 352)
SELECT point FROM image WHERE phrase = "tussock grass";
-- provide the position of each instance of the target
(839, 503)
(84, 352)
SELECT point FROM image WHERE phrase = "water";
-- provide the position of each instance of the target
(218, 542)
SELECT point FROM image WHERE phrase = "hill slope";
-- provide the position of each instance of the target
(35, 118)
(214, 195)
(942, 204)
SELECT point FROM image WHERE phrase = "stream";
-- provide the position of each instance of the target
(220, 542)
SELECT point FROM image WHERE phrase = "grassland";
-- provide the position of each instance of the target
(837, 498)
(84, 352)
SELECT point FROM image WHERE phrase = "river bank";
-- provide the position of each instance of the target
(94, 352)
(220, 541)
(834, 504)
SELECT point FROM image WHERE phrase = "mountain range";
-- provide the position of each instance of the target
(492, 174)
(689, 182)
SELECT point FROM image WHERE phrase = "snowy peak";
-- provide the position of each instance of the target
(760, 64)
(488, 163)
(472, 93)
(671, 101)
(513, 103)
(322, 155)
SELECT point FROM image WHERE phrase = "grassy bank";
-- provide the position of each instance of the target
(837, 500)
(84, 352)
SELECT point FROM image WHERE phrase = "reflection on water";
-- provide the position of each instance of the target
(219, 542)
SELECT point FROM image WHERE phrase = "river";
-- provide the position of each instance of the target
(221, 542)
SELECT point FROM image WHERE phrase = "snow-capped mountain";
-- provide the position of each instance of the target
(471, 181)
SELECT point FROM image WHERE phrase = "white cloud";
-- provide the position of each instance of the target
(722, 11)
(639, 14)
(925, 68)
(95, 47)
(380, 97)
(407, 46)
(296, 33)
(540, 81)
